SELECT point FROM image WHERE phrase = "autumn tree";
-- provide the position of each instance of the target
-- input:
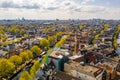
(30, 54)
(36, 50)
(106, 26)
(44, 42)
(2, 35)
(51, 39)
(34, 68)
(81, 27)
(25, 36)
(26, 55)
(17, 60)
(6, 68)
(25, 76)
(63, 39)
(22, 31)
(100, 32)
(58, 34)
(115, 44)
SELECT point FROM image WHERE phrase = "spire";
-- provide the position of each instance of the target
(75, 47)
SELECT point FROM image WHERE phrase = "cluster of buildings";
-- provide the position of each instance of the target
(77, 58)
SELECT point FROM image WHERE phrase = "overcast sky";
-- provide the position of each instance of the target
(60, 9)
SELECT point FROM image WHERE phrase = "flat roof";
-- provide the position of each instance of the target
(75, 56)
(59, 54)
(87, 69)
(63, 76)
(3, 53)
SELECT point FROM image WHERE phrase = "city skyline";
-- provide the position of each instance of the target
(61, 9)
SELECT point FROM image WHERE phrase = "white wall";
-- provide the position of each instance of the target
(84, 76)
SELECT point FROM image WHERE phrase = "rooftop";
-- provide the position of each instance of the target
(3, 53)
(75, 57)
(63, 76)
(86, 69)
(59, 54)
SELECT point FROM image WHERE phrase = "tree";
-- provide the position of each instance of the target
(44, 42)
(30, 55)
(58, 34)
(25, 36)
(26, 55)
(81, 27)
(17, 60)
(44, 59)
(37, 65)
(51, 39)
(106, 26)
(2, 35)
(32, 71)
(25, 76)
(6, 68)
(22, 31)
(115, 44)
(36, 50)
(34, 68)
(58, 44)
(100, 33)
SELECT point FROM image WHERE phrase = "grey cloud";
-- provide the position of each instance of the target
(67, 4)
(34, 6)
(13, 5)
(90, 9)
(77, 9)
(52, 8)
(96, 10)
(8, 5)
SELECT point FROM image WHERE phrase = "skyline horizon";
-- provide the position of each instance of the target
(58, 19)
(60, 9)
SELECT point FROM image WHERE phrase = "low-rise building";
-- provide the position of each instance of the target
(59, 75)
(59, 58)
(84, 72)
(4, 54)
(109, 73)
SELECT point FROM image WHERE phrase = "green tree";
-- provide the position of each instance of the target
(17, 60)
(25, 76)
(6, 68)
(36, 50)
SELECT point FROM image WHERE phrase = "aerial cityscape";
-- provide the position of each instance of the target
(59, 40)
